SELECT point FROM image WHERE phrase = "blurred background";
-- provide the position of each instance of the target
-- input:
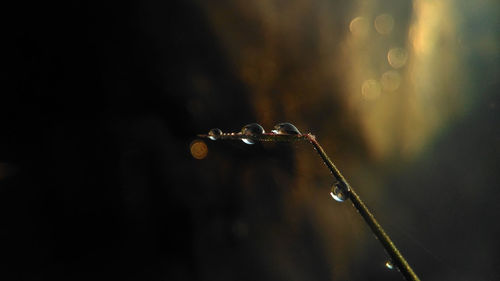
(102, 175)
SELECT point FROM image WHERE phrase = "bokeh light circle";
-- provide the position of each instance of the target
(384, 24)
(371, 89)
(198, 149)
(397, 57)
(359, 26)
(390, 81)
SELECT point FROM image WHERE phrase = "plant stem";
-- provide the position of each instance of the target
(397, 259)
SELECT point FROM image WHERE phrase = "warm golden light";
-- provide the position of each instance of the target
(397, 57)
(431, 22)
(199, 149)
(384, 24)
(370, 89)
(390, 81)
(359, 26)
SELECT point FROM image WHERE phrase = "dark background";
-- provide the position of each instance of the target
(99, 105)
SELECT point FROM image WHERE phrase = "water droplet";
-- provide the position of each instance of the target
(251, 129)
(286, 129)
(214, 133)
(389, 265)
(338, 193)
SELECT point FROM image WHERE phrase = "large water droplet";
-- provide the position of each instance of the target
(338, 193)
(389, 265)
(286, 129)
(214, 133)
(251, 129)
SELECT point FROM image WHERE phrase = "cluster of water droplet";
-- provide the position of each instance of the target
(339, 191)
(255, 129)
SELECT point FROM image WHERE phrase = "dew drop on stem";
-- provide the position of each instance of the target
(286, 129)
(251, 129)
(214, 133)
(337, 193)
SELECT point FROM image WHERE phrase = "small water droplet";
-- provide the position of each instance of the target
(286, 129)
(251, 129)
(389, 265)
(214, 133)
(338, 193)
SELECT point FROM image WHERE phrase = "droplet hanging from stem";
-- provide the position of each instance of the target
(338, 193)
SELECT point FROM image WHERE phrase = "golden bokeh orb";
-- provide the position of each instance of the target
(371, 89)
(397, 57)
(198, 149)
(384, 24)
(359, 27)
(390, 81)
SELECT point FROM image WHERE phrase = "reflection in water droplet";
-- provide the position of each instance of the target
(371, 89)
(251, 129)
(337, 193)
(286, 129)
(248, 141)
(359, 26)
(390, 80)
(389, 265)
(214, 133)
(384, 24)
(397, 57)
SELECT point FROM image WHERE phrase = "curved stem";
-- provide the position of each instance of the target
(376, 228)
(397, 259)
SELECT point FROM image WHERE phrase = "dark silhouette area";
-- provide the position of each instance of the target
(95, 134)
(99, 106)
